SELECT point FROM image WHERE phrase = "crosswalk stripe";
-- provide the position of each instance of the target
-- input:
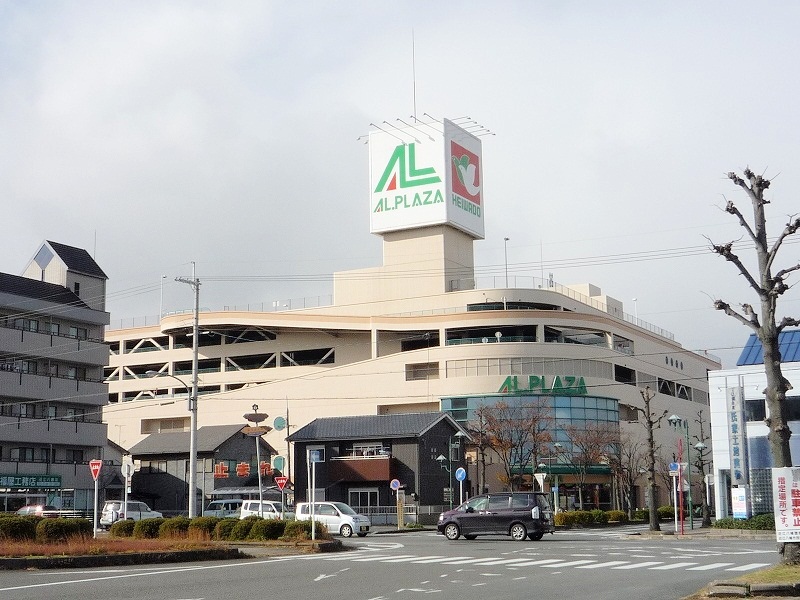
(569, 564)
(610, 563)
(639, 565)
(749, 567)
(673, 566)
(448, 560)
(709, 567)
(413, 558)
(381, 557)
(536, 563)
(505, 561)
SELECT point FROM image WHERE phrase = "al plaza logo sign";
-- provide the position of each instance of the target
(401, 173)
(421, 180)
(558, 386)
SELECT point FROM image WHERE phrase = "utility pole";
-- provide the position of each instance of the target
(195, 283)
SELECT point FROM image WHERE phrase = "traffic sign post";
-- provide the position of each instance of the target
(461, 475)
(280, 481)
(94, 466)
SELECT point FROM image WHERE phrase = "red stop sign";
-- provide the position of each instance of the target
(281, 481)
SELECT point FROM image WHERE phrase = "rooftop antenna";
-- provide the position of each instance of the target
(413, 73)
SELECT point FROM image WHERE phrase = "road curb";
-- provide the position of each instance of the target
(738, 589)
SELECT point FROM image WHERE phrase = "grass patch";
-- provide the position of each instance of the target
(776, 574)
(90, 546)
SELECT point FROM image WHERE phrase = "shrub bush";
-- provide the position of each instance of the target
(223, 529)
(147, 528)
(267, 529)
(174, 527)
(564, 519)
(665, 513)
(60, 530)
(763, 522)
(122, 528)
(641, 514)
(617, 516)
(17, 528)
(599, 517)
(301, 530)
(202, 528)
(242, 529)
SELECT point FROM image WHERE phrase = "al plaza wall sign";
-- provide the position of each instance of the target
(22, 482)
(566, 385)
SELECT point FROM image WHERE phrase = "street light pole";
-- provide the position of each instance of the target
(256, 417)
(676, 422)
(195, 283)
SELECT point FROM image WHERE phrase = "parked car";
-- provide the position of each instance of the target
(223, 508)
(518, 514)
(338, 517)
(37, 509)
(135, 510)
(270, 509)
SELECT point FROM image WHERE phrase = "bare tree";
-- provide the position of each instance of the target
(651, 423)
(517, 434)
(592, 443)
(768, 287)
(627, 462)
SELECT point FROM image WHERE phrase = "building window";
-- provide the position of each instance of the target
(54, 328)
(80, 333)
(422, 371)
(26, 324)
(22, 454)
(74, 456)
(77, 288)
(47, 455)
(75, 414)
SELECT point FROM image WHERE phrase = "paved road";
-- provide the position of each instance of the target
(597, 564)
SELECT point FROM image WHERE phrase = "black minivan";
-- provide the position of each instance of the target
(518, 514)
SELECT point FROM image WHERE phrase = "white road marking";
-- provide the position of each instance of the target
(749, 567)
(611, 563)
(709, 567)
(569, 564)
(679, 565)
(639, 565)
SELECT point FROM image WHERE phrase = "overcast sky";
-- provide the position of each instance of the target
(155, 134)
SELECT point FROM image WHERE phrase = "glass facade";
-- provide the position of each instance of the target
(566, 410)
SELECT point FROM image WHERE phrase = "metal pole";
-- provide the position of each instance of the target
(505, 253)
(689, 477)
(260, 489)
(193, 400)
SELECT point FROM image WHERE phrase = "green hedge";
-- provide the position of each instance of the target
(617, 516)
(174, 527)
(267, 529)
(147, 528)
(242, 529)
(223, 529)
(60, 530)
(665, 513)
(765, 522)
(122, 528)
(203, 527)
(18, 528)
(301, 530)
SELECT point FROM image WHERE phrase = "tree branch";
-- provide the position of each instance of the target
(790, 229)
(726, 252)
(730, 208)
(788, 322)
(752, 322)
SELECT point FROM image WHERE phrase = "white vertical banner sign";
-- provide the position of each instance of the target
(737, 436)
(786, 502)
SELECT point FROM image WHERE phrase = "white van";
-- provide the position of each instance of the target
(270, 509)
(338, 517)
(223, 508)
(136, 511)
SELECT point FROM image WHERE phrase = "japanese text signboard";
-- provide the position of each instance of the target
(786, 500)
(737, 436)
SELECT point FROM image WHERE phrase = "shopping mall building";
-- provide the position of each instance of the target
(417, 334)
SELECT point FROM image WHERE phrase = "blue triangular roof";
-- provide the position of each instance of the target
(788, 343)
